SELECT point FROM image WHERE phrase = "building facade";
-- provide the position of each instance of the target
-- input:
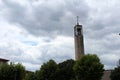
(106, 75)
(79, 41)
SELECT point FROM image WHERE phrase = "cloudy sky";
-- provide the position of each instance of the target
(34, 31)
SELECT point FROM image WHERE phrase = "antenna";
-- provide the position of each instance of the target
(77, 20)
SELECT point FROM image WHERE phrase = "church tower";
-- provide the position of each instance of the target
(79, 41)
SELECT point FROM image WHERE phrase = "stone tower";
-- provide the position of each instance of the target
(79, 41)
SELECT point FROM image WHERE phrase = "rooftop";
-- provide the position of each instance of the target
(3, 60)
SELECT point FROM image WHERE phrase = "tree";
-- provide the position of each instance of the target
(66, 70)
(6, 72)
(115, 74)
(88, 67)
(19, 71)
(30, 76)
(48, 71)
(11, 71)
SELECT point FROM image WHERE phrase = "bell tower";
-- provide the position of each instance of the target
(79, 41)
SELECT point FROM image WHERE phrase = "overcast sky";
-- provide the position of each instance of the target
(34, 31)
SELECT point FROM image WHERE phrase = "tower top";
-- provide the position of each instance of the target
(77, 20)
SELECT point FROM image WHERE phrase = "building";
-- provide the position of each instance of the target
(106, 75)
(3, 60)
(79, 42)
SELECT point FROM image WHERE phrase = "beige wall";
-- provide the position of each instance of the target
(106, 75)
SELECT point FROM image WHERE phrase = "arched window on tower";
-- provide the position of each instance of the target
(79, 31)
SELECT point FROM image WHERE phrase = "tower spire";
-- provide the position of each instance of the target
(77, 20)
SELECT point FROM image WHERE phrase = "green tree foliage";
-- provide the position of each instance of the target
(37, 75)
(88, 67)
(11, 71)
(30, 76)
(115, 74)
(20, 71)
(65, 71)
(6, 72)
(48, 71)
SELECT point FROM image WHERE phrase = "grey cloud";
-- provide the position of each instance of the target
(15, 53)
(8, 50)
(47, 20)
(103, 19)
(109, 60)
(58, 53)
